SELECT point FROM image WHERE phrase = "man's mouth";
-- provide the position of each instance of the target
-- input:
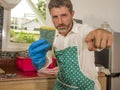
(61, 27)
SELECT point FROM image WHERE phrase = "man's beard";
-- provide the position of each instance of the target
(62, 28)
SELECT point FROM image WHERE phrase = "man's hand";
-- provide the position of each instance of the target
(52, 71)
(99, 39)
(37, 52)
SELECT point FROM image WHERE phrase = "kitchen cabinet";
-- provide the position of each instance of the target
(28, 81)
(14, 79)
(28, 84)
(103, 80)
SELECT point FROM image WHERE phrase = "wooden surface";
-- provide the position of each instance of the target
(31, 80)
(102, 80)
(25, 80)
(32, 84)
(29, 84)
(28, 81)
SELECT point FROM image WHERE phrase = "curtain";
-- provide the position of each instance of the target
(9, 4)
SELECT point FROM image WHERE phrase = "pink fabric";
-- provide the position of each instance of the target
(25, 64)
(52, 65)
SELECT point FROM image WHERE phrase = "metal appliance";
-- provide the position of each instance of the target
(110, 58)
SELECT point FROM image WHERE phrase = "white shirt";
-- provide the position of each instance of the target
(76, 37)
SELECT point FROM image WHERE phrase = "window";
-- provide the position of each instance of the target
(25, 18)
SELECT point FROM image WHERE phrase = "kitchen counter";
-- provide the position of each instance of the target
(31, 80)
(26, 80)
(20, 75)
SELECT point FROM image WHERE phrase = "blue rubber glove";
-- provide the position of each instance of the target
(37, 52)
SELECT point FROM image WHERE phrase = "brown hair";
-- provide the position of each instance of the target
(59, 3)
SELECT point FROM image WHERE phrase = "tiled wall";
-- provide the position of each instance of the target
(9, 58)
(13, 55)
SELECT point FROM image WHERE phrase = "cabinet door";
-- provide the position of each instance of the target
(44, 84)
(102, 80)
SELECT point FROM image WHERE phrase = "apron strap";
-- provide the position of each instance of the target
(70, 86)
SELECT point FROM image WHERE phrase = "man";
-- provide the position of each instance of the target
(74, 47)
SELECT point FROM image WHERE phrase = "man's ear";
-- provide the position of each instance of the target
(73, 12)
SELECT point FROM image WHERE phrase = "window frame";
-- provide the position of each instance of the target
(6, 44)
(9, 46)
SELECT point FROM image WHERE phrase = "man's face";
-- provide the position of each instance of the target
(62, 19)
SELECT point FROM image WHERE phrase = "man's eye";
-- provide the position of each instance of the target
(64, 15)
(54, 17)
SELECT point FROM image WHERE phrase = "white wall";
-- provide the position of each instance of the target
(95, 12)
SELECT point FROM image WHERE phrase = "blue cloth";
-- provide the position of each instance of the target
(37, 52)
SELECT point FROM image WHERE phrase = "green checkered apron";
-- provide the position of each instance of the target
(70, 76)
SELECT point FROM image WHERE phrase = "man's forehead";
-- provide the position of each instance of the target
(60, 10)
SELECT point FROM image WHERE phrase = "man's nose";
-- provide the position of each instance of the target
(60, 21)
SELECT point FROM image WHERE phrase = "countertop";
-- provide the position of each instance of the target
(10, 68)
(31, 79)
(21, 75)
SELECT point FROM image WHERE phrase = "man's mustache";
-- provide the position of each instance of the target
(61, 25)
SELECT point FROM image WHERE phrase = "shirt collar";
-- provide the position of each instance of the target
(74, 28)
